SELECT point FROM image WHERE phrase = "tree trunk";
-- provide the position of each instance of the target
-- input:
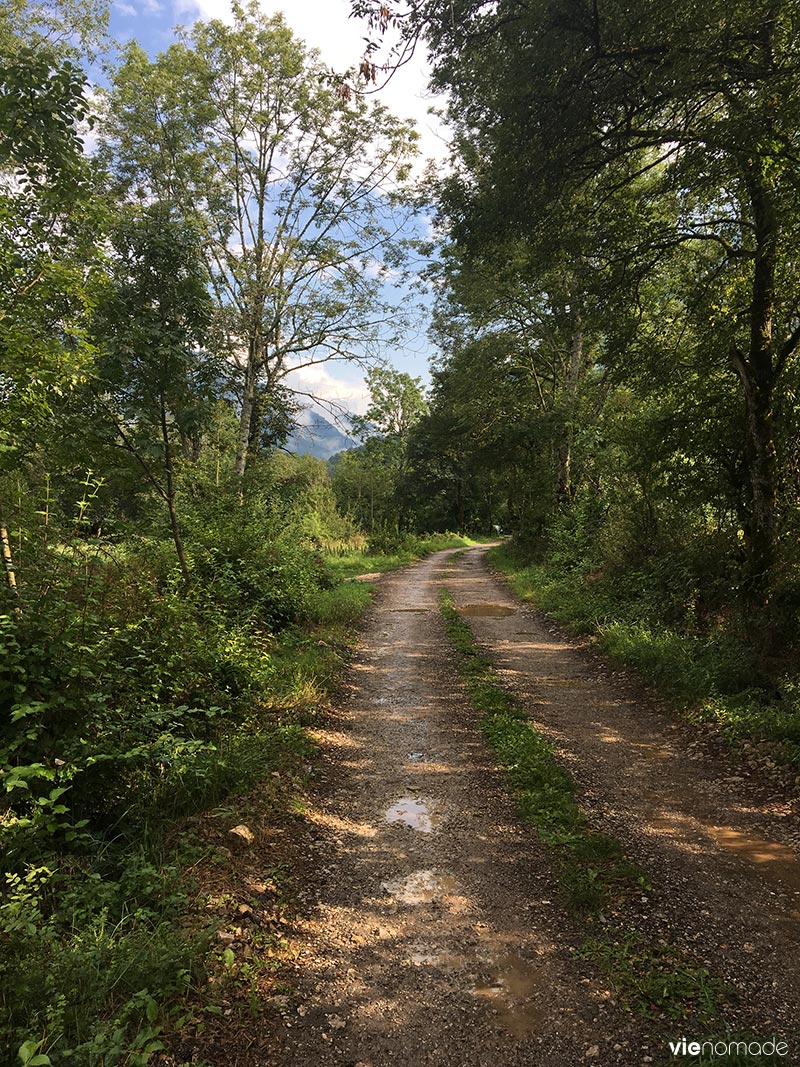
(246, 417)
(254, 433)
(8, 560)
(756, 372)
(570, 392)
(173, 514)
(191, 446)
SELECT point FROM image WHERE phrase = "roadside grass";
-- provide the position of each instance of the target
(656, 981)
(400, 552)
(712, 678)
(106, 955)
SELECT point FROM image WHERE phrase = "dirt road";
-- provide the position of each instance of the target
(433, 932)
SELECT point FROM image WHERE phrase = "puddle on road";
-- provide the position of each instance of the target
(513, 993)
(423, 955)
(418, 757)
(509, 983)
(415, 812)
(421, 887)
(492, 611)
(776, 862)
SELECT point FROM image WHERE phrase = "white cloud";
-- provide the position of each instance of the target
(321, 381)
(125, 9)
(326, 25)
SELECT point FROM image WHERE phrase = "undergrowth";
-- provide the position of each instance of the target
(99, 947)
(136, 703)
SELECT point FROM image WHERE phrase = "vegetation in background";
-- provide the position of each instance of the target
(621, 217)
(370, 481)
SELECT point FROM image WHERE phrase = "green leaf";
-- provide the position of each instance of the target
(29, 1054)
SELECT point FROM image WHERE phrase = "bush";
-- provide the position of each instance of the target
(388, 542)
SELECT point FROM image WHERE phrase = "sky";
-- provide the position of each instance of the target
(326, 26)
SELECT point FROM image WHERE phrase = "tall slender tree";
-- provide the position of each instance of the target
(299, 194)
(152, 376)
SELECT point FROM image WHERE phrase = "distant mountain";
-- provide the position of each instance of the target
(315, 436)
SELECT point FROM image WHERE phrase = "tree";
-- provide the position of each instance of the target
(299, 195)
(48, 233)
(66, 29)
(154, 382)
(365, 487)
(45, 242)
(703, 100)
(397, 403)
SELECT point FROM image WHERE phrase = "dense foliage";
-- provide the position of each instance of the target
(618, 302)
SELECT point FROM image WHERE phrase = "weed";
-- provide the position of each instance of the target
(653, 979)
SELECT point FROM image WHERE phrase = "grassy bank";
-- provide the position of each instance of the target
(712, 676)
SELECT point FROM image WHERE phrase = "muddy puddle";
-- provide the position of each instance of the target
(510, 984)
(776, 862)
(428, 956)
(418, 757)
(418, 813)
(421, 887)
(514, 992)
(491, 611)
